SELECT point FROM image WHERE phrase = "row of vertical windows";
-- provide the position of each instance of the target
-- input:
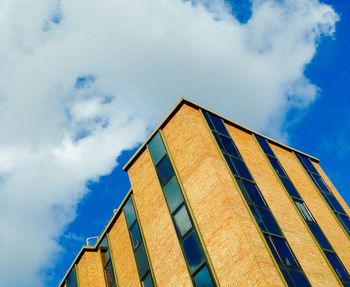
(185, 230)
(138, 246)
(305, 212)
(72, 280)
(325, 192)
(107, 265)
(286, 260)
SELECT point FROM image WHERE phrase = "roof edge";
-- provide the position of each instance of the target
(190, 103)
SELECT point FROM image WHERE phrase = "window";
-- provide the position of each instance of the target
(332, 201)
(135, 235)
(304, 211)
(137, 244)
(241, 168)
(228, 146)
(147, 280)
(186, 232)
(345, 221)
(203, 278)
(320, 182)
(71, 280)
(266, 220)
(320, 237)
(182, 220)
(216, 123)
(326, 193)
(281, 248)
(107, 263)
(129, 212)
(141, 260)
(338, 267)
(193, 251)
(157, 149)
(165, 171)
(260, 210)
(295, 278)
(307, 163)
(173, 194)
(290, 187)
(253, 192)
(277, 167)
(264, 145)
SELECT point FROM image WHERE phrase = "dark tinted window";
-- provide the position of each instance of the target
(321, 184)
(228, 146)
(320, 237)
(165, 170)
(147, 281)
(264, 145)
(287, 277)
(72, 278)
(129, 212)
(218, 124)
(141, 260)
(253, 192)
(268, 221)
(203, 278)
(338, 266)
(299, 278)
(290, 187)
(135, 235)
(156, 148)
(346, 221)
(182, 220)
(334, 202)
(241, 168)
(230, 164)
(307, 163)
(173, 194)
(207, 117)
(193, 251)
(284, 253)
(277, 167)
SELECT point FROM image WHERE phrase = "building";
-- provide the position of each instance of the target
(213, 203)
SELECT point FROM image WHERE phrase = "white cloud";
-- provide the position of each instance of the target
(81, 81)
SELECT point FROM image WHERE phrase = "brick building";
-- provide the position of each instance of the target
(213, 203)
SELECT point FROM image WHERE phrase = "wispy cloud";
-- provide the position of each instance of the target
(81, 81)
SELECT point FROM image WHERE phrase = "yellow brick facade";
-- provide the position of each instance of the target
(159, 233)
(233, 243)
(234, 246)
(89, 270)
(123, 256)
(314, 200)
(291, 223)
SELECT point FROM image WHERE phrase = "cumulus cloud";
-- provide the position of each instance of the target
(81, 81)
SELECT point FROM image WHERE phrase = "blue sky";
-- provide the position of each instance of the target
(80, 91)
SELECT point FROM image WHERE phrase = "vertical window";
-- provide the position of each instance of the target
(107, 263)
(295, 277)
(138, 246)
(260, 210)
(324, 190)
(71, 280)
(188, 238)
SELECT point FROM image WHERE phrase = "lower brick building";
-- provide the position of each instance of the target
(213, 203)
